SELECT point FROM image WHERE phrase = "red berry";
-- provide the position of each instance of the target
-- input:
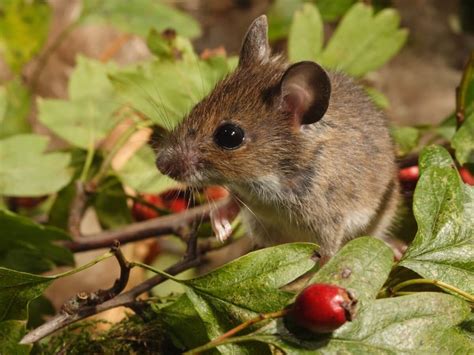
(27, 202)
(322, 308)
(142, 212)
(466, 176)
(178, 205)
(411, 173)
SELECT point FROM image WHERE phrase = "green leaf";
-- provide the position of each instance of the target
(434, 156)
(25, 169)
(420, 323)
(184, 324)
(463, 141)
(89, 116)
(306, 37)
(406, 138)
(331, 10)
(11, 332)
(15, 101)
(443, 248)
(140, 173)
(280, 15)
(377, 97)
(165, 91)
(361, 266)
(252, 281)
(28, 246)
(17, 289)
(24, 28)
(363, 41)
(139, 16)
(111, 204)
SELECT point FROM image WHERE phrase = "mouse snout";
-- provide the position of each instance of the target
(172, 164)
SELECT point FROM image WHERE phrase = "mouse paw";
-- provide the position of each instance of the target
(221, 219)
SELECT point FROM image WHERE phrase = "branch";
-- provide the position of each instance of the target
(67, 316)
(76, 211)
(165, 225)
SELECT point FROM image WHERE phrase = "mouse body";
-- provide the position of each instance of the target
(303, 150)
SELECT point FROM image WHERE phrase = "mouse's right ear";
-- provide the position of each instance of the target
(255, 48)
(305, 90)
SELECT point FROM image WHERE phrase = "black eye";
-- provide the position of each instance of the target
(229, 136)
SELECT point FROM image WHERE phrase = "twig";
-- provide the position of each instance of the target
(128, 299)
(220, 339)
(138, 231)
(76, 211)
(438, 283)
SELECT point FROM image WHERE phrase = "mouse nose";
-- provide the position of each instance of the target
(170, 166)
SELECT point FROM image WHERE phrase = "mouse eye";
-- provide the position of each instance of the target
(229, 136)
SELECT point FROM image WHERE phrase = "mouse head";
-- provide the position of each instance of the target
(251, 125)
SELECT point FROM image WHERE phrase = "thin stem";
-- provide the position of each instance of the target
(462, 89)
(225, 337)
(88, 162)
(85, 266)
(438, 283)
(156, 271)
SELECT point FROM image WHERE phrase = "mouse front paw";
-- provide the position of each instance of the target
(221, 219)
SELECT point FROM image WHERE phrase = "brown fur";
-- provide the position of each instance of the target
(325, 182)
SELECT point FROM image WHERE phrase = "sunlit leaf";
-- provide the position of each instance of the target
(25, 169)
(305, 40)
(15, 104)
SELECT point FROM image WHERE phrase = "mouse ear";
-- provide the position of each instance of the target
(305, 91)
(255, 48)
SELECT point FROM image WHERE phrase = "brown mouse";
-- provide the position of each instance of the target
(303, 149)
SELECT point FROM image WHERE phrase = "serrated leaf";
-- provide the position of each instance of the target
(463, 141)
(90, 114)
(305, 40)
(420, 323)
(140, 173)
(280, 15)
(28, 246)
(361, 266)
(332, 10)
(27, 171)
(363, 41)
(15, 101)
(252, 281)
(164, 91)
(11, 333)
(443, 248)
(406, 138)
(24, 28)
(139, 16)
(17, 289)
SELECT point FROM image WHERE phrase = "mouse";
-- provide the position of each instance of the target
(303, 150)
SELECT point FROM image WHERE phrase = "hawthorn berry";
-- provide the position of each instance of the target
(142, 212)
(322, 308)
(466, 176)
(410, 173)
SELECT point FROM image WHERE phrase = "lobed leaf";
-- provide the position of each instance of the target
(305, 40)
(139, 16)
(140, 173)
(363, 41)
(27, 171)
(443, 248)
(421, 323)
(361, 266)
(89, 115)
